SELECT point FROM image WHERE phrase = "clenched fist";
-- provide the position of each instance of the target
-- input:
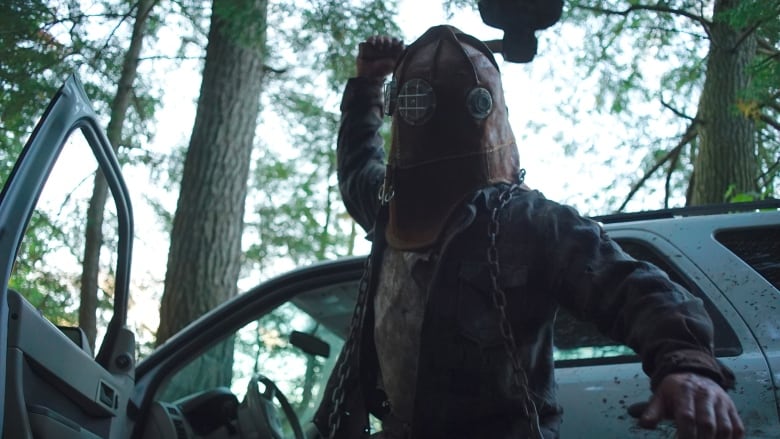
(377, 56)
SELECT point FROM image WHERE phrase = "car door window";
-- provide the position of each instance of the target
(579, 343)
(49, 266)
(293, 345)
(759, 247)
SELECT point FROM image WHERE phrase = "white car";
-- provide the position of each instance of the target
(256, 365)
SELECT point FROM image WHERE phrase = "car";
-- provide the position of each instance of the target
(256, 365)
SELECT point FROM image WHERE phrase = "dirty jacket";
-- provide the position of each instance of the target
(549, 257)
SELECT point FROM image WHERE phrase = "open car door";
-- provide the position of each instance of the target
(52, 385)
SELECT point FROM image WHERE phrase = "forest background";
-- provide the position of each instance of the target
(224, 116)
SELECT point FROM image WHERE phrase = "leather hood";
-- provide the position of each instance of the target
(450, 133)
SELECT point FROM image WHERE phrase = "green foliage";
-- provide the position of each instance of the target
(298, 214)
(326, 33)
(648, 62)
(747, 14)
(733, 196)
(31, 63)
(47, 287)
(761, 17)
(619, 49)
(243, 20)
(297, 204)
(450, 6)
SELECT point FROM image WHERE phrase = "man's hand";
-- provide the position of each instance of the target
(377, 55)
(699, 406)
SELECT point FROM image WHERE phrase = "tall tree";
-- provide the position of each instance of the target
(727, 148)
(93, 241)
(724, 51)
(205, 255)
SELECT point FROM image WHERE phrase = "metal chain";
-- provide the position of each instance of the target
(344, 369)
(519, 376)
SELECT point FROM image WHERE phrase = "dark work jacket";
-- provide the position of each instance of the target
(549, 257)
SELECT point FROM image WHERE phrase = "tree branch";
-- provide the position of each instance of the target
(653, 8)
(773, 105)
(111, 34)
(766, 48)
(753, 28)
(677, 112)
(171, 58)
(77, 18)
(771, 122)
(275, 70)
(675, 158)
(690, 134)
(762, 179)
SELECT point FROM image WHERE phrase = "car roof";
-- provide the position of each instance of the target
(678, 212)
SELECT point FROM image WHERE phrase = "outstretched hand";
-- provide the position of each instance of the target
(377, 55)
(700, 408)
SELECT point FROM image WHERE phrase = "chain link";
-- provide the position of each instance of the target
(519, 377)
(344, 369)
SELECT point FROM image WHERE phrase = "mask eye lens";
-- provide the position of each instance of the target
(416, 101)
(479, 102)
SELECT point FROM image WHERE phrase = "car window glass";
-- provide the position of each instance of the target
(49, 265)
(264, 346)
(759, 247)
(578, 343)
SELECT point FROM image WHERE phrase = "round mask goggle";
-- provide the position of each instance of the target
(415, 101)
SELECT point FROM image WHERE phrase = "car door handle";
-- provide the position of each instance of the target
(636, 409)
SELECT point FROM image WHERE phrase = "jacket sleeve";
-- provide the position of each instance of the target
(632, 301)
(359, 154)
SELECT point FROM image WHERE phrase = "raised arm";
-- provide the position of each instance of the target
(360, 154)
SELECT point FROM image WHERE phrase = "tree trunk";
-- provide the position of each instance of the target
(205, 254)
(93, 239)
(725, 162)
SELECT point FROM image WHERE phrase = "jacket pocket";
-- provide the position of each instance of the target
(477, 315)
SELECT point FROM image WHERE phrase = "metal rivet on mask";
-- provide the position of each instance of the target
(479, 102)
(416, 101)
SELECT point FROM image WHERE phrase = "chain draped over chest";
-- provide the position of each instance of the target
(344, 369)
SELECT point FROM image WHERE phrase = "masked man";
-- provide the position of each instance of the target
(452, 333)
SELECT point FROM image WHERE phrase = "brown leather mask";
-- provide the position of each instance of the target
(450, 133)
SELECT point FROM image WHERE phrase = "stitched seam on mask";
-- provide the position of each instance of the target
(456, 157)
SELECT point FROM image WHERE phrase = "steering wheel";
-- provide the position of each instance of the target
(257, 414)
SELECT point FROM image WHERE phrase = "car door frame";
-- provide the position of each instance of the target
(68, 111)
